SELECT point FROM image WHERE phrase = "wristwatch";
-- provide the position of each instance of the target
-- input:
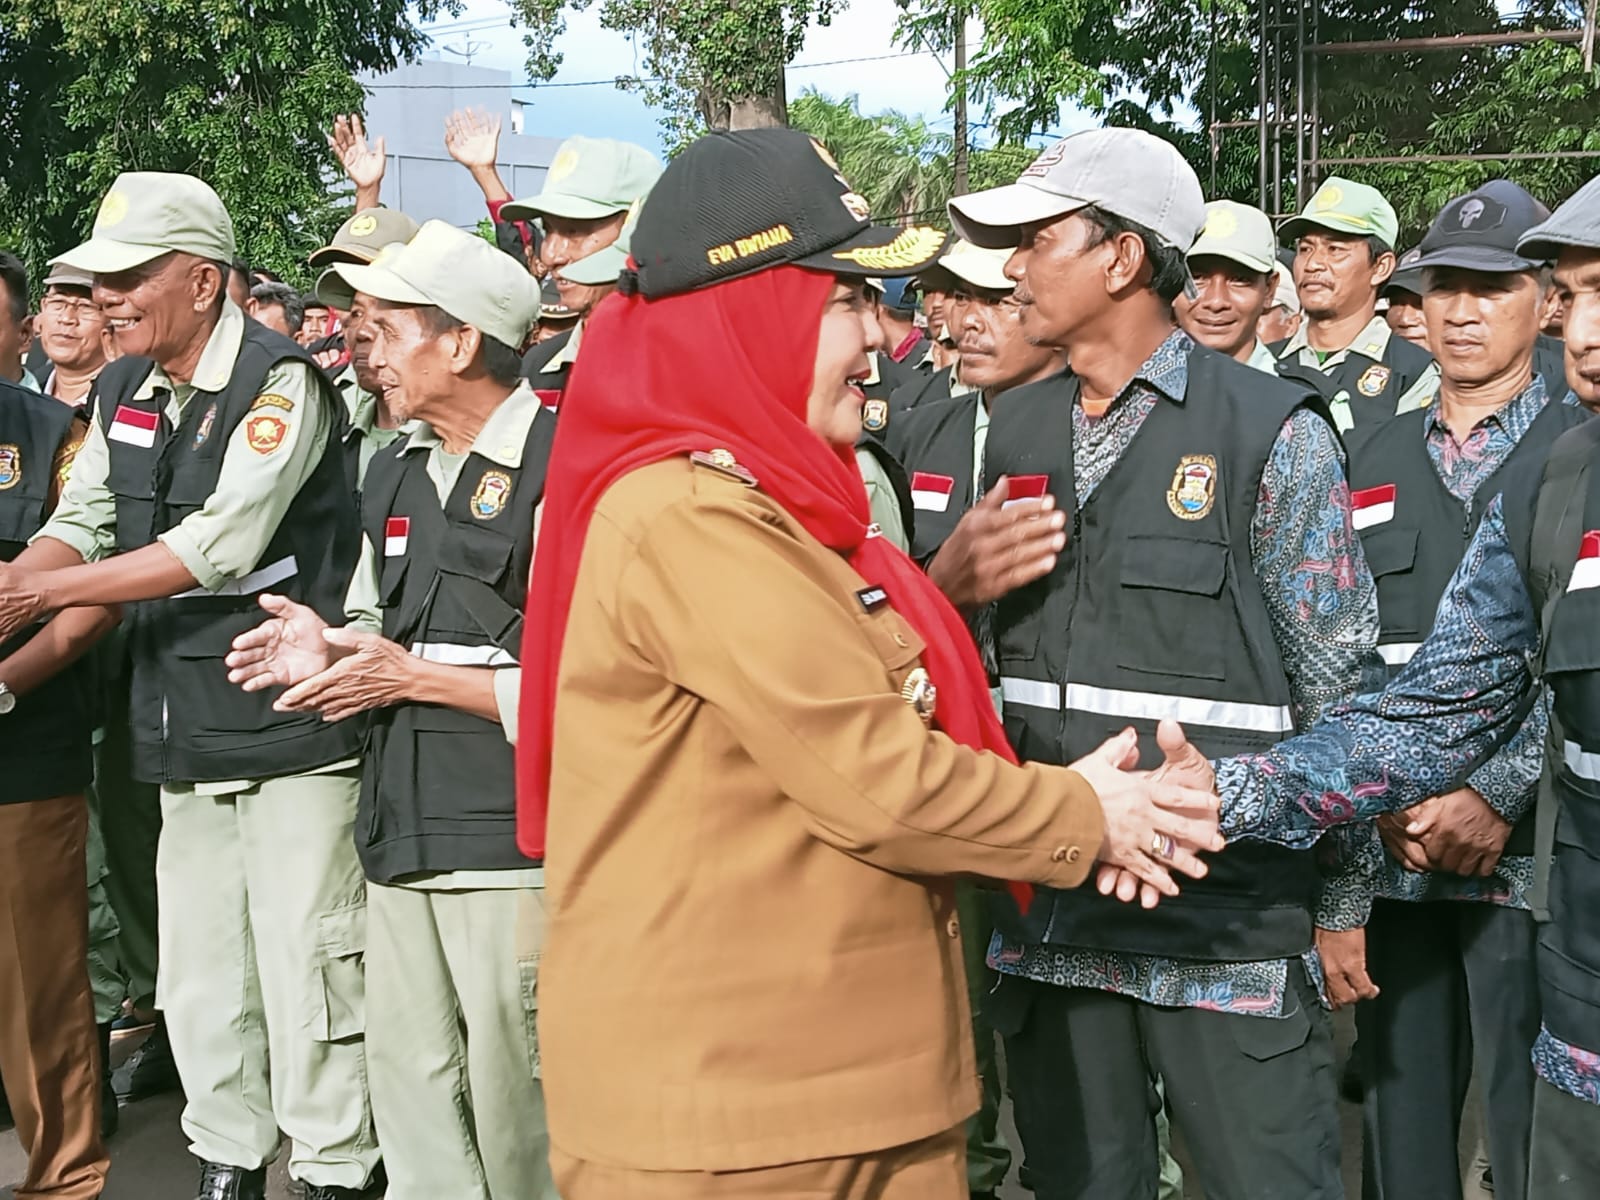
(8, 699)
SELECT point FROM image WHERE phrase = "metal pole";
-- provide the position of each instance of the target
(1459, 41)
(1518, 156)
(960, 164)
(1299, 100)
(1313, 169)
(1262, 55)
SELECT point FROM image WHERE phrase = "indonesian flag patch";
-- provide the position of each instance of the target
(1372, 506)
(396, 533)
(1586, 571)
(931, 492)
(134, 426)
(1025, 487)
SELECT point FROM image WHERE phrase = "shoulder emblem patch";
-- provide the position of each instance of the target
(490, 496)
(724, 463)
(272, 400)
(1373, 380)
(875, 415)
(10, 466)
(1194, 487)
(265, 433)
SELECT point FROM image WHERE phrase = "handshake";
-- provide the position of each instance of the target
(1157, 822)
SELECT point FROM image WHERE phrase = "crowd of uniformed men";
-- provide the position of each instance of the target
(268, 557)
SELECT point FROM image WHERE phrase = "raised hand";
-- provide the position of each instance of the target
(472, 136)
(995, 549)
(363, 164)
(286, 648)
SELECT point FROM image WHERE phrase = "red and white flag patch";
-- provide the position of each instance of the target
(396, 535)
(1372, 506)
(1586, 571)
(134, 426)
(1025, 487)
(931, 492)
(549, 397)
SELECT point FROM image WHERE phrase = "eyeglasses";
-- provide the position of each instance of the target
(63, 306)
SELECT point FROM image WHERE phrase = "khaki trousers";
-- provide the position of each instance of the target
(452, 1049)
(932, 1169)
(49, 1050)
(263, 928)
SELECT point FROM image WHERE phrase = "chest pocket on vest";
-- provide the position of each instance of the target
(1392, 556)
(194, 477)
(1171, 618)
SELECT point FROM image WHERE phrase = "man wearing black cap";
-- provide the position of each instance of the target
(1448, 982)
(1403, 294)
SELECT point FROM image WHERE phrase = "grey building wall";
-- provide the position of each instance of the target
(408, 107)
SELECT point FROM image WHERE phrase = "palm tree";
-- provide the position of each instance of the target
(897, 162)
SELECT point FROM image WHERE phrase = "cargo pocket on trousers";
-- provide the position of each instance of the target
(341, 965)
(1264, 1038)
(530, 949)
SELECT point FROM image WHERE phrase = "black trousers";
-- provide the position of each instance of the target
(1457, 984)
(1566, 1146)
(1254, 1097)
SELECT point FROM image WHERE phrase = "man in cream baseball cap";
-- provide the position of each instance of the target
(147, 214)
(1116, 495)
(1233, 264)
(435, 613)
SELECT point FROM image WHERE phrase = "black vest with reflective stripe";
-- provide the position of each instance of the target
(438, 786)
(190, 725)
(1153, 610)
(1414, 552)
(1569, 942)
(44, 741)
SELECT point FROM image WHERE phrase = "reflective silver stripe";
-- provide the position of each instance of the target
(1033, 692)
(1153, 706)
(456, 655)
(1149, 706)
(1580, 761)
(1398, 654)
(256, 581)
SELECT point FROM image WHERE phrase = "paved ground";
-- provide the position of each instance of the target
(150, 1161)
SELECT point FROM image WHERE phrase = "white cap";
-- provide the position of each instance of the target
(1286, 297)
(981, 268)
(1239, 233)
(1126, 172)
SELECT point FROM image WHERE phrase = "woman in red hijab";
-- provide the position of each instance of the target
(755, 741)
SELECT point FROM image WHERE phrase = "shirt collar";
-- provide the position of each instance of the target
(215, 368)
(1261, 359)
(28, 381)
(503, 435)
(907, 345)
(875, 375)
(568, 353)
(1166, 371)
(1513, 417)
(1372, 341)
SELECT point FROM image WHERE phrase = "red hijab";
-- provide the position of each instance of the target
(727, 367)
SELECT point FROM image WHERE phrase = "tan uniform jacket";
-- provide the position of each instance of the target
(747, 964)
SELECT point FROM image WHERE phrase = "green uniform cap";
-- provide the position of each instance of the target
(150, 213)
(978, 267)
(1345, 206)
(606, 263)
(459, 272)
(360, 238)
(1239, 233)
(590, 178)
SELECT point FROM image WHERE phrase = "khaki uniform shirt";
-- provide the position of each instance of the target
(501, 440)
(363, 409)
(754, 956)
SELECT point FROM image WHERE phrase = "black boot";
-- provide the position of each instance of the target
(153, 1071)
(218, 1182)
(109, 1116)
(374, 1188)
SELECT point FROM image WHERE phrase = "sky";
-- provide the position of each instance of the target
(912, 83)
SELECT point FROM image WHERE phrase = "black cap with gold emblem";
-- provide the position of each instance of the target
(736, 203)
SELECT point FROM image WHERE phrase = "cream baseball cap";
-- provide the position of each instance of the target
(146, 214)
(459, 272)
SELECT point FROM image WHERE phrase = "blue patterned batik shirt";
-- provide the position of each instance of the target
(1361, 868)
(1324, 613)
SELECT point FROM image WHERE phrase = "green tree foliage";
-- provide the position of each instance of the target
(238, 92)
(1168, 66)
(900, 164)
(710, 64)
